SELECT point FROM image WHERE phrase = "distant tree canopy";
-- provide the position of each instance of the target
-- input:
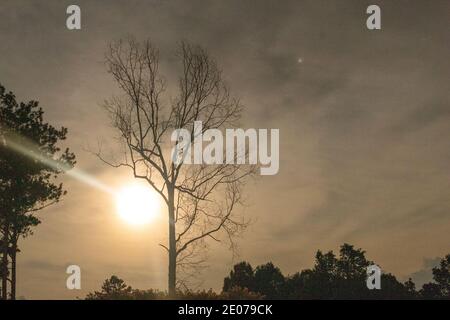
(332, 277)
(115, 288)
(26, 181)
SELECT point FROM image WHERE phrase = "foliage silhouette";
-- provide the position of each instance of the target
(440, 288)
(26, 183)
(115, 288)
(332, 277)
(242, 275)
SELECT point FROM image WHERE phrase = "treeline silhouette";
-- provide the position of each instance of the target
(332, 277)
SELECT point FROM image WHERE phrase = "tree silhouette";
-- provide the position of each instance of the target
(200, 199)
(332, 277)
(26, 183)
(431, 291)
(269, 281)
(266, 280)
(351, 271)
(113, 288)
(440, 288)
(241, 276)
(441, 275)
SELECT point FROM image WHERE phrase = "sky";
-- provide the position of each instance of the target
(363, 118)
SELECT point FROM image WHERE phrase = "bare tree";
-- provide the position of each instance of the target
(201, 199)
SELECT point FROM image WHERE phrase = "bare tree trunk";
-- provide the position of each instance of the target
(5, 263)
(172, 244)
(1, 269)
(13, 270)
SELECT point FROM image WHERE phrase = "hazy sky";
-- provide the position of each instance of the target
(364, 125)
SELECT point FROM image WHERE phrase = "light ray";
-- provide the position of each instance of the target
(31, 151)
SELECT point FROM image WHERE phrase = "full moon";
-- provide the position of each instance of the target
(137, 204)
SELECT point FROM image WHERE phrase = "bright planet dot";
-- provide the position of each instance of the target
(137, 204)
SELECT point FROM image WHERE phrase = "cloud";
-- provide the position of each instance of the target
(40, 265)
(425, 274)
(363, 125)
